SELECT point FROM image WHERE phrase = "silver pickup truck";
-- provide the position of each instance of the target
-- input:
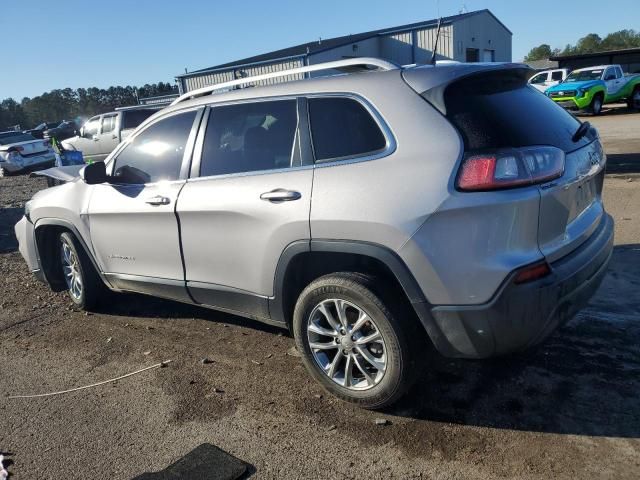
(102, 133)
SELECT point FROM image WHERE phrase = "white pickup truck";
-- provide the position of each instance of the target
(543, 80)
(102, 133)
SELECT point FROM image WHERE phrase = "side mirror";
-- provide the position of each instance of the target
(95, 173)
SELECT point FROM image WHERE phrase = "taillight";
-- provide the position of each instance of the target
(510, 168)
(532, 272)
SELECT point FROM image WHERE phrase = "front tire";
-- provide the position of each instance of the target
(83, 283)
(596, 105)
(351, 342)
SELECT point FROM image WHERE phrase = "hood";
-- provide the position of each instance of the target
(574, 85)
(63, 174)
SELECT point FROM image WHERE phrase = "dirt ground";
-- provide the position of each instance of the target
(569, 409)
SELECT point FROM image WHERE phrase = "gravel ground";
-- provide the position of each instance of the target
(568, 409)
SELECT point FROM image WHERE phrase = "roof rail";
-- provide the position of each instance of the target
(363, 62)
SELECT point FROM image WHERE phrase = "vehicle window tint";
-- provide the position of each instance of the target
(619, 73)
(495, 110)
(108, 123)
(134, 118)
(249, 137)
(342, 127)
(540, 78)
(15, 137)
(556, 76)
(156, 154)
(91, 127)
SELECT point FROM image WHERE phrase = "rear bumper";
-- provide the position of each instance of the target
(28, 162)
(520, 316)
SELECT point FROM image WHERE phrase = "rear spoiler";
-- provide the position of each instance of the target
(431, 81)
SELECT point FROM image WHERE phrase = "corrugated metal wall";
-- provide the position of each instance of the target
(398, 47)
(206, 79)
(427, 40)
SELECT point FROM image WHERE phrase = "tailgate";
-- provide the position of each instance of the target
(571, 206)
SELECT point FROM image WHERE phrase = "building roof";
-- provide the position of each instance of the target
(621, 51)
(545, 64)
(330, 43)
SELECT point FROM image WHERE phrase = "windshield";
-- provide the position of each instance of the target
(583, 75)
(9, 138)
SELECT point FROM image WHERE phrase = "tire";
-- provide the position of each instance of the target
(633, 102)
(596, 104)
(83, 282)
(317, 310)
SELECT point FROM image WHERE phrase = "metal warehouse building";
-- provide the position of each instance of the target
(469, 37)
(628, 58)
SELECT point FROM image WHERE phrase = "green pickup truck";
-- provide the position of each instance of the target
(588, 89)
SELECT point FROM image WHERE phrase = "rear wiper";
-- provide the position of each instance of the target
(582, 131)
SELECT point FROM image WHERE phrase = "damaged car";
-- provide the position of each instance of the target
(379, 215)
(21, 151)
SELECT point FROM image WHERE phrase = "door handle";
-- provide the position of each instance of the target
(158, 200)
(95, 138)
(281, 195)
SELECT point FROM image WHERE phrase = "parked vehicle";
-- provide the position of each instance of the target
(543, 80)
(102, 133)
(38, 132)
(588, 89)
(62, 131)
(20, 151)
(450, 203)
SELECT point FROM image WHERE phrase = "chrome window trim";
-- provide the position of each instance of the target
(390, 140)
(212, 106)
(189, 146)
(389, 148)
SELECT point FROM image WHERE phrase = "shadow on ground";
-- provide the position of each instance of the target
(584, 380)
(8, 218)
(623, 163)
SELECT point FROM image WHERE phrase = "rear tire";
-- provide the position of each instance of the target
(363, 352)
(83, 282)
(633, 102)
(596, 104)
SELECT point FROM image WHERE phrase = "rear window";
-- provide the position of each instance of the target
(135, 117)
(499, 110)
(8, 139)
(342, 128)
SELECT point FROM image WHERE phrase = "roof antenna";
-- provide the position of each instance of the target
(435, 47)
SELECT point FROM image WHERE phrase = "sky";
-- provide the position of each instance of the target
(69, 43)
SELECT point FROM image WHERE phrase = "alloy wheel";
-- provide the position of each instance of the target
(346, 344)
(71, 271)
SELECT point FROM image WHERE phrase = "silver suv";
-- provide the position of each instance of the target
(366, 212)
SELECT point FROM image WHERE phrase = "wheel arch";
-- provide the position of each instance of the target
(303, 261)
(47, 231)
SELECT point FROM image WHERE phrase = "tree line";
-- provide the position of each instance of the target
(591, 43)
(69, 104)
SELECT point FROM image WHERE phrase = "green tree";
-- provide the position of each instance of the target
(540, 52)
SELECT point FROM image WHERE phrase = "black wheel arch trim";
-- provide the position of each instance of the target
(378, 252)
(56, 222)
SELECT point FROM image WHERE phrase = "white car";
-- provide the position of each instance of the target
(543, 80)
(20, 151)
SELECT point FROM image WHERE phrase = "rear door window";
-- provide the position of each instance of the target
(108, 123)
(343, 128)
(497, 110)
(556, 76)
(249, 137)
(156, 153)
